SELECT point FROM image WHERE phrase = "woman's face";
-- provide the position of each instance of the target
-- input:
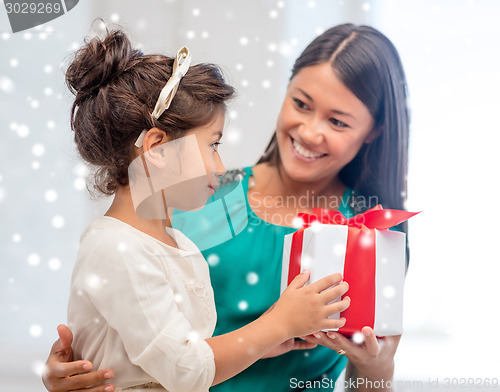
(321, 126)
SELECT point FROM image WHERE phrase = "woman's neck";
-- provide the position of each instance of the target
(273, 181)
(122, 208)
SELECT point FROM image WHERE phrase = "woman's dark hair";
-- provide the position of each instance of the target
(116, 88)
(368, 64)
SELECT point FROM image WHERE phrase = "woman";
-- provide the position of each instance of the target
(341, 141)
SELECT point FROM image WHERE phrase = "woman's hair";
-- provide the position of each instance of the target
(116, 88)
(368, 64)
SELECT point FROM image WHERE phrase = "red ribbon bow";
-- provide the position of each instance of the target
(360, 265)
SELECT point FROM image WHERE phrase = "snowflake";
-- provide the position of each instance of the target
(35, 330)
(178, 298)
(54, 264)
(51, 124)
(338, 249)
(243, 305)
(38, 367)
(6, 85)
(33, 259)
(79, 184)
(205, 34)
(48, 68)
(273, 14)
(190, 34)
(38, 150)
(122, 247)
(27, 36)
(51, 195)
(306, 262)
(244, 41)
(358, 337)
(16, 237)
(193, 336)
(389, 292)
(266, 84)
(196, 12)
(48, 91)
(94, 281)
(14, 62)
(213, 260)
(366, 7)
(115, 18)
(297, 222)
(58, 221)
(252, 278)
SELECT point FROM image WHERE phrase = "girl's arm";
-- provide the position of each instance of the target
(301, 310)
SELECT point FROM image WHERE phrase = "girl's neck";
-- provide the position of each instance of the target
(122, 208)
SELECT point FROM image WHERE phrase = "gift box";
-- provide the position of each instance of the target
(371, 259)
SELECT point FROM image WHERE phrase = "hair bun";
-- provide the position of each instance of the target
(98, 62)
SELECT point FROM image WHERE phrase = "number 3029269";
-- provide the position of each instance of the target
(33, 8)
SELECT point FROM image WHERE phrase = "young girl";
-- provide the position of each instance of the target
(141, 302)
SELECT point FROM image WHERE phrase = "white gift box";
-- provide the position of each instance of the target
(324, 253)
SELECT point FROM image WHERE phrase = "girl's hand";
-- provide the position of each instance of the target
(373, 359)
(61, 374)
(302, 310)
(289, 345)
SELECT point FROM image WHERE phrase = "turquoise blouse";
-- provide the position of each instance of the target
(245, 255)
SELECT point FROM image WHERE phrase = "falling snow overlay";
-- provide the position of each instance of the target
(452, 68)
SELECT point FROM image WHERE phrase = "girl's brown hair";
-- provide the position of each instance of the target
(116, 88)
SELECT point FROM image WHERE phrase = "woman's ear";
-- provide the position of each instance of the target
(374, 133)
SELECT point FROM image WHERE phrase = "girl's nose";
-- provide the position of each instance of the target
(220, 170)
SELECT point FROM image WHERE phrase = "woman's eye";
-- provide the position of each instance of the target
(338, 123)
(215, 146)
(300, 104)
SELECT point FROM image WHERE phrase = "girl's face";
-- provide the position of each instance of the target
(208, 138)
(321, 126)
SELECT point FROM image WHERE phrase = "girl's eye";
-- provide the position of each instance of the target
(300, 104)
(338, 123)
(215, 146)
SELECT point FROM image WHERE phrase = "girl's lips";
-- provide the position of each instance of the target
(304, 154)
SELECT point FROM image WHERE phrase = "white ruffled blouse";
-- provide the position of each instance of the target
(142, 308)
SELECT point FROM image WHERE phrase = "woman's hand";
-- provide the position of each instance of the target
(373, 359)
(61, 374)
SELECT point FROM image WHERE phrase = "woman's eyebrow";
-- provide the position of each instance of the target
(340, 112)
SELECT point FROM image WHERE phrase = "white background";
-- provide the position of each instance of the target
(450, 50)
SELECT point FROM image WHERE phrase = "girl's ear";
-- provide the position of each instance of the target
(153, 138)
(374, 133)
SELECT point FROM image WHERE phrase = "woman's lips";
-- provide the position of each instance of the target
(304, 153)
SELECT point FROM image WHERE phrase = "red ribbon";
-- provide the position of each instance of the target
(360, 264)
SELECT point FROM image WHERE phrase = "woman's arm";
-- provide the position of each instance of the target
(371, 363)
(301, 310)
(61, 373)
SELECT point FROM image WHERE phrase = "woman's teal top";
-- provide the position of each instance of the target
(245, 256)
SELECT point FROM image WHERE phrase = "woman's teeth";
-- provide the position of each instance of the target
(304, 151)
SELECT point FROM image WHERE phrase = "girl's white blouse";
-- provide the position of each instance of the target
(142, 308)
